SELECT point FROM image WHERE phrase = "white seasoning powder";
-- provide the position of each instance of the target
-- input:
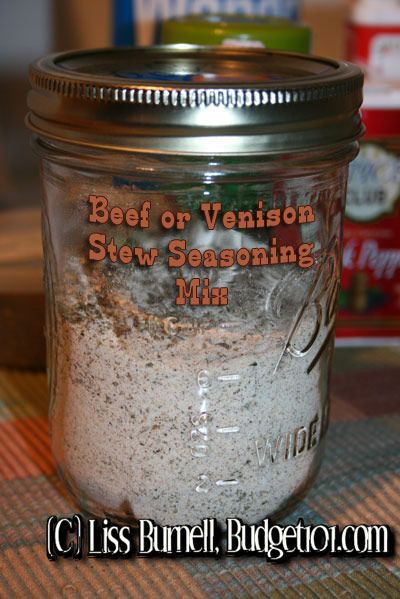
(181, 424)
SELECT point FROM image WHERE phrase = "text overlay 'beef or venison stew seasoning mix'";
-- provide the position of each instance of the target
(192, 212)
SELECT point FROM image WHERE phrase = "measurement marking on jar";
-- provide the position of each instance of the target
(225, 430)
(227, 483)
(200, 436)
(228, 378)
(200, 451)
(205, 484)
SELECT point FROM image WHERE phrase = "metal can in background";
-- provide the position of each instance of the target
(136, 22)
(370, 296)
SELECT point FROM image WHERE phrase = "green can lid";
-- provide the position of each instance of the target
(237, 30)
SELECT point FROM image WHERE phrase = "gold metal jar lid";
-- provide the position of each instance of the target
(195, 100)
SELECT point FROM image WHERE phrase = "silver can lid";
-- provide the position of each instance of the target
(195, 100)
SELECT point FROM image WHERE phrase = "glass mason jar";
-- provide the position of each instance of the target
(192, 218)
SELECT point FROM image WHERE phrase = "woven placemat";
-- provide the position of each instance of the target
(359, 483)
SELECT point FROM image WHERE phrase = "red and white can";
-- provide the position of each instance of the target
(370, 296)
(374, 38)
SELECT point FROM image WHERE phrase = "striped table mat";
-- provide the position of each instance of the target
(359, 483)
